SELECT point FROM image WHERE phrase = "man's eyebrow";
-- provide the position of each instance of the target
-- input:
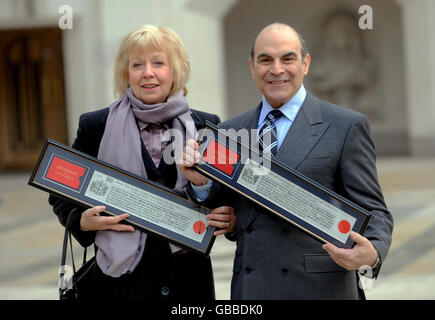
(290, 53)
(263, 55)
(287, 54)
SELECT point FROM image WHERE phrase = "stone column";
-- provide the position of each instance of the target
(419, 48)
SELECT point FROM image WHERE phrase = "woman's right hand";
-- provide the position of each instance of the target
(91, 220)
(190, 157)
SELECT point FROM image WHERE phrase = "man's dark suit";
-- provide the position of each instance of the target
(275, 260)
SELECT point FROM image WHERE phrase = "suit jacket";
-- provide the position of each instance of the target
(275, 260)
(89, 135)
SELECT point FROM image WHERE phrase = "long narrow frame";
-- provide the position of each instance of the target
(335, 216)
(87, 181)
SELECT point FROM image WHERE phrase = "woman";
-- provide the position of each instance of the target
(151, 71)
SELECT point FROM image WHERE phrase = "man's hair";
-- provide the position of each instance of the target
(149, 38)
(304, 49)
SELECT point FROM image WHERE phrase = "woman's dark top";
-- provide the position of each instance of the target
(160, 275)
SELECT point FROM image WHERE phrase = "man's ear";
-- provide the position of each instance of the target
(251, 67)
(307, 62)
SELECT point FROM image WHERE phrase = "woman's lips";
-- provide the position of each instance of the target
(149, 86)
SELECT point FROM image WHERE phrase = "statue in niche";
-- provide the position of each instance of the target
(343, 72)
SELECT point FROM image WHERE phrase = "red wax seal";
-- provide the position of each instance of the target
(199, 227)
(344, 226)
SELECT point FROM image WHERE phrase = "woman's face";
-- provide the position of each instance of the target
(150, 76)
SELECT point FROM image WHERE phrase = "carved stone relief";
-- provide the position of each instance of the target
(343, 72)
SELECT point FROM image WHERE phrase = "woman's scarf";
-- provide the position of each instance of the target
(120, 252)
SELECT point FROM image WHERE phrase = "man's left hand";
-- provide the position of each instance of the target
(363, 253)
(223, 218)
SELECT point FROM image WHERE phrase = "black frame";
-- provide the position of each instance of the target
(211, 131)
(90, 164)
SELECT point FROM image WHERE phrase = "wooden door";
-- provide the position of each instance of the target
(32, 95)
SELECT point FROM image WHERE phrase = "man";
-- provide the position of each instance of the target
(327, 143)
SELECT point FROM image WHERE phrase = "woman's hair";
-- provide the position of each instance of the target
(151, 38)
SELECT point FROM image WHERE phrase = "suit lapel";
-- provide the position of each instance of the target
(303, 135)
(250, 121)
(305, 132)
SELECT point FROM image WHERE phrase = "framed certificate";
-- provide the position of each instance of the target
(293, 197)
(85, 180)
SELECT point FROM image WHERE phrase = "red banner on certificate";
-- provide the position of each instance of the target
(65, 172)
(221, 157)
(153, 208)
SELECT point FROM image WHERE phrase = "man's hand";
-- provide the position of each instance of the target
(363, 253)
(223, 218)
(92, 221)
(189, 158)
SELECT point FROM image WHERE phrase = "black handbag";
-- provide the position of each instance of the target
(79, 285)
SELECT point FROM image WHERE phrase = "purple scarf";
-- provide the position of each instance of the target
(120, 252)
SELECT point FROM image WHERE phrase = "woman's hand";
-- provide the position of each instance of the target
(92, 221)
(223, 218)
(189, 158)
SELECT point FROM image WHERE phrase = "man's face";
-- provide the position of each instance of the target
(278, 69)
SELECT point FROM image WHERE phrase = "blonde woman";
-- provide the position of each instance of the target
(151, 72)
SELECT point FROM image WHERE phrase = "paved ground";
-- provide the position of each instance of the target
(31, 238)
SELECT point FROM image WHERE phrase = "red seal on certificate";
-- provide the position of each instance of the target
(344, 226)
(199, 227)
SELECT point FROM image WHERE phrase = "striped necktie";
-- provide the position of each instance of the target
(268, 133)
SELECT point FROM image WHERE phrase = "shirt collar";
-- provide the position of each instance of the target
(146, 125)
(290, 109)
